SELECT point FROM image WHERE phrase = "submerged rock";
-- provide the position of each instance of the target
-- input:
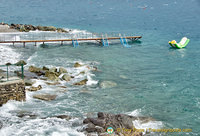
(62, 86)
(107, 84)
(66, 117)
(54, 83)
(33, 89)
(76, 65)
(26, 114)
(45, 97)
(82, 82)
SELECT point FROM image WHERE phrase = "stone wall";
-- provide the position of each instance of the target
(12, 90)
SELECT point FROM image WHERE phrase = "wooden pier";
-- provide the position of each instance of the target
(99, 39)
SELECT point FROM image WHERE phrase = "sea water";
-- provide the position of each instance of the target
(152, 79)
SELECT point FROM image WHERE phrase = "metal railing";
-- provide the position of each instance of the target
(10, 72)
(56, 36)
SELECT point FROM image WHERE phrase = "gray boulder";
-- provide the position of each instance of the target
(104, 120)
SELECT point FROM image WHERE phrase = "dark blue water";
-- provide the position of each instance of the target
(151, 77)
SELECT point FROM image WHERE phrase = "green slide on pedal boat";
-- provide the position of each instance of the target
(184, 41)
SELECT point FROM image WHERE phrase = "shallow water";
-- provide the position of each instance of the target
(152, 78)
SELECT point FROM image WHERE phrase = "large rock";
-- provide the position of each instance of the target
(53, 76)
(45, 97)
(36, 70)
(33, 89)
(117, 122)
(66, 77)
(107, 84)
(82, 82)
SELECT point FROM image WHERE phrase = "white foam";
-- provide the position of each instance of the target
(136, 112)
(151, 124)
(139, 124)
(8, 54)
(38, 127)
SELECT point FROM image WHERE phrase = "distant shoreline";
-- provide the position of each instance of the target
(4, 28)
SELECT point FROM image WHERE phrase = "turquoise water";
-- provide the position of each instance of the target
(152, 78)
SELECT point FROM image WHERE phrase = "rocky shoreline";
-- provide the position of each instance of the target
(121, 124)
(4, 27)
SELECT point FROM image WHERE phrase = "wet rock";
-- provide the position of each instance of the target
(29, 82)
(1, 124)
(21, 62)
(62, 70)
(53, 69)
(54, 83)
(83, 82)
(45, 68)
(82, 72)
(61, 30)
(76, 65)
(63, 90)
(26, 114)
(62, 86)
(66, 77)
(85, 90)
(36, 70)
(105, 120)
(53, 76)
(107, 84)
(66, 117)
(45, 97)
(33, 89)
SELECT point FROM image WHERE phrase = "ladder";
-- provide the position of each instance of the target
(124, 41)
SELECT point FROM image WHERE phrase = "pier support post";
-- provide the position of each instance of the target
(24, 44)
(13, 43)
(35, 43)
(61, 42)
